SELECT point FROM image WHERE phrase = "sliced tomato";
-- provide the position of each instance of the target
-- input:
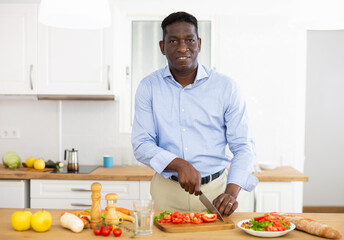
(259, 218)
(177, 220)
(187, 218)
(162, 220)
(272, 228)
(177, 215)
(196, 220)
(167, 218)
(209, 217)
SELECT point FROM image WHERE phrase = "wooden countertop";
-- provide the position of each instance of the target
(136, 173)
(281, 174)
(58, 232)
(117, 173)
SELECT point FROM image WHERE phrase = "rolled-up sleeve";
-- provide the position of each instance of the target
(240, 142)
(144, 132)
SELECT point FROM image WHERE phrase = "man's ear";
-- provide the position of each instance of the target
(199, 44)
(162, 47)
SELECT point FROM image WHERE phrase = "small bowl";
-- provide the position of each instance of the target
(268, 165)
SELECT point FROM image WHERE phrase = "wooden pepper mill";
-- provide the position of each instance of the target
(111, 215)
(96, 211)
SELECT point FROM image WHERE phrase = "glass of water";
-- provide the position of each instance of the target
(144, 216)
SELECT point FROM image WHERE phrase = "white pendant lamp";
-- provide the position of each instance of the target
(75, 14)
(318, 14)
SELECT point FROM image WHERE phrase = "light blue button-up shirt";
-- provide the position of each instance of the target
(194, 123)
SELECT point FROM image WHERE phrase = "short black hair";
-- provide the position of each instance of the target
(178, 17)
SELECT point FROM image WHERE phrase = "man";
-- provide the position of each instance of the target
(185, 115)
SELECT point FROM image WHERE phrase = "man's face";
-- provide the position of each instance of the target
(181, 47)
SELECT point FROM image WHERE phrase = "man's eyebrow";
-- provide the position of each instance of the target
(187, 36)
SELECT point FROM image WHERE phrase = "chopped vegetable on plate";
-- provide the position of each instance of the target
(267, 222)
(268, 225)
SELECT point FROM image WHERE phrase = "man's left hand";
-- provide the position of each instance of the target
(226, 203)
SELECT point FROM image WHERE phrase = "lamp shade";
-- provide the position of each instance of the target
(318, 14)
(75, 14)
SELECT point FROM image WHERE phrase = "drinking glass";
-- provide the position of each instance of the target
(144, 216)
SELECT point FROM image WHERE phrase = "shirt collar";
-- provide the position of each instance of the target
(201, 73)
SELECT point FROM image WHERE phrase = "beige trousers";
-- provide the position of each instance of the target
(168, 195)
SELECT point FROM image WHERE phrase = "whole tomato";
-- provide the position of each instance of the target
(106, 231)
(117, 232)
(97, 231)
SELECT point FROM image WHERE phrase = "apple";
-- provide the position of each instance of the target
(41, 221)
(21, 220)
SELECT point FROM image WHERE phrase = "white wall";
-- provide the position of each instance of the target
(49, 127)
(324, 140)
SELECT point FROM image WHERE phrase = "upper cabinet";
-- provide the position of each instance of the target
(74, 61)
(18, 49)
(53, 63)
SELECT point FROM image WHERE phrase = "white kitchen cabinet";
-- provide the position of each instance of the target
(18, 49)
(46, 61)
(74, 62)
(14, 193)
(76, 194)
(278, 197)
(245, 201)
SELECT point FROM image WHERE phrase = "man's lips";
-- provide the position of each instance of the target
(183, 57)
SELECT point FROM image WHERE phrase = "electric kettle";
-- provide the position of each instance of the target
(72, 160)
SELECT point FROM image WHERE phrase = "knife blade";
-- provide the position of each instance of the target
(209, 205)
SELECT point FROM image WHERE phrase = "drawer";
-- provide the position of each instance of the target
(49, 203)
(76, 189)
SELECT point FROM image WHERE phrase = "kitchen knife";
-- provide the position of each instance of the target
(209, 205)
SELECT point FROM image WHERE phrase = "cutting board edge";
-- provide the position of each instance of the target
(196, 228)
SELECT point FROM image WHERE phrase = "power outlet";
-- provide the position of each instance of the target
(10, 133)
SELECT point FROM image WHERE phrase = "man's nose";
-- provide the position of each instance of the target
(182, 47)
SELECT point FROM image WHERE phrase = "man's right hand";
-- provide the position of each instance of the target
(188, 177)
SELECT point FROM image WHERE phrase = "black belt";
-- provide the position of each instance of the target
(206, 179)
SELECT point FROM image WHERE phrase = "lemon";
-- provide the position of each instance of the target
(29, 162)
(41, 221)
(21, 220)
(39, 164)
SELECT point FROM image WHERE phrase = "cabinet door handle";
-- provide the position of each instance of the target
(108, 77)
(81, 205)
(30, 76)
(81, 190)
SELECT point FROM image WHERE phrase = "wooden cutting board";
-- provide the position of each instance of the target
(191, 227)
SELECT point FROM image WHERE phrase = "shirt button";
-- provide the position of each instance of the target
(182, 109)
(186, 148)
(184, 129)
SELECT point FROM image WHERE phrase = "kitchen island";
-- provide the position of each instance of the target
(58, 232)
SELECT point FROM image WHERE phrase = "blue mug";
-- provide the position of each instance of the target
(108, 161)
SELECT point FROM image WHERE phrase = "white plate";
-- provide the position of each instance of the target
(265, 233)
